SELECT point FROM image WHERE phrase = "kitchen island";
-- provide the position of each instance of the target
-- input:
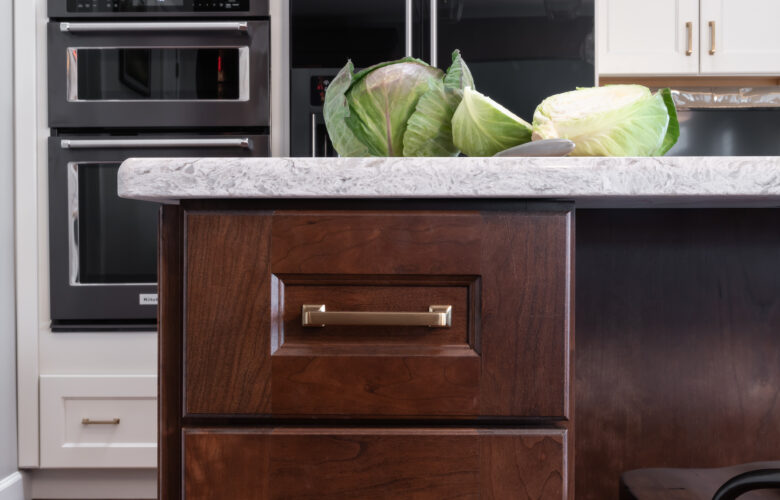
(677, 361)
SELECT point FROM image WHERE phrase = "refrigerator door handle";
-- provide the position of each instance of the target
(408, 26)
(313, 135)
(434, 32)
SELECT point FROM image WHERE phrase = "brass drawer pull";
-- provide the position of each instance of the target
(436, 317)
(87, 421)
(712, 38)
(689, 30)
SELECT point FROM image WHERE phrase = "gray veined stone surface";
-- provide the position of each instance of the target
(591, 182)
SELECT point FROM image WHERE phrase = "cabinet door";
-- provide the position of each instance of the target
(98, 421)
(505, 275)
(641, 37)
(740, 36)
(375, 463)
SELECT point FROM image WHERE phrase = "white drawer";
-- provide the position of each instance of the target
(98, 421)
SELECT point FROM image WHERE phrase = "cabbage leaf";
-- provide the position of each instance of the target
(335, 110)
(429, 129)
(482, 127)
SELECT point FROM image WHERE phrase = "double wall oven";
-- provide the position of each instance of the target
(136, 78)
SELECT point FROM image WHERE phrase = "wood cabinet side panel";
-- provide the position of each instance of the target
(170, 273)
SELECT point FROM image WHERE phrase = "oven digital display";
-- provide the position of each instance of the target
(85, 6)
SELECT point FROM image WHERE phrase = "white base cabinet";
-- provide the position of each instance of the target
(98, 421)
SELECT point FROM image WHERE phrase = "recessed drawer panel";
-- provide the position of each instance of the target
(398, 464)
(375, 280)
(98, 421)
(364, 295)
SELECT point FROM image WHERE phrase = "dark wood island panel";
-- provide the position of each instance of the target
(678, 341)
(238, 370)
(678, 361)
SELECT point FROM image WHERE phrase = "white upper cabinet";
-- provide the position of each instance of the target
(648, 37)
(688, 37)
(740, 37)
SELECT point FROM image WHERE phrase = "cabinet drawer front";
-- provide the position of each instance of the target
(99, 421)
(506, 276)
(343, 464)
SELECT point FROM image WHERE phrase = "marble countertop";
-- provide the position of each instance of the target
(590, 182)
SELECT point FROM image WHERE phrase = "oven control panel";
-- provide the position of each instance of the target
(85, 6)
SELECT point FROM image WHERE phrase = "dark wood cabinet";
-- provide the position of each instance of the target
(238, 368)
(374, 463)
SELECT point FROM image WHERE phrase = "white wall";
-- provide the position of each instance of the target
(8, 462)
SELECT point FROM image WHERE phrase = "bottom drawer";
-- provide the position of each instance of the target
(98, 421)
(341, 464)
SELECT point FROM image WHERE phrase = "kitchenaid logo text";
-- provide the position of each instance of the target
(147, 299)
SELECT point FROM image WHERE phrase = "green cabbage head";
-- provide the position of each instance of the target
(615, 120)
(395, 108)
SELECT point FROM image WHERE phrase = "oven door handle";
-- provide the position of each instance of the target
(134, 27)
(239, 142)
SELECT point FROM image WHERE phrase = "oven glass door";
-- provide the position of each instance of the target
(158, 74)
(112, 240)
(102, 248)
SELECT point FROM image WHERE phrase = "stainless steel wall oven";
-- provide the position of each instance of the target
(103, 249)
(135, 78)
(158, 73)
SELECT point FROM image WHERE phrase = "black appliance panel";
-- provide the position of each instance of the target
(326, 34)
(520, 51)
(160, 75)
(307, 125)
(103, 261)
